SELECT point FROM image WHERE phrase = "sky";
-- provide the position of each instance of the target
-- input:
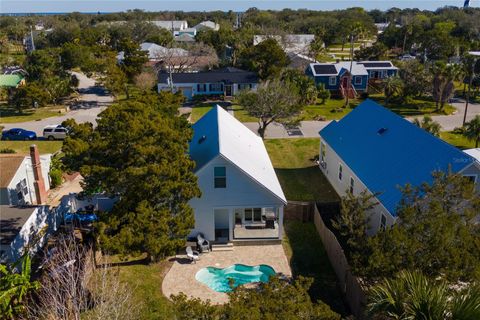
(27, 6)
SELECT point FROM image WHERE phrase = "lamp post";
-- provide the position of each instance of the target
(476, 55)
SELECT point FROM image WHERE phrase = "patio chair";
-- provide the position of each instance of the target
(192, 255)
(202, 243)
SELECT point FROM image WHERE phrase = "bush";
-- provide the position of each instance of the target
(55, 177)
(364, 95)
(7, 150)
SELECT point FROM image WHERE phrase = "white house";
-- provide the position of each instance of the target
(296, 43)
(241, 196)
(374, 149)
(20, 181)
(206, 25)
(173, 25)
(23, 188)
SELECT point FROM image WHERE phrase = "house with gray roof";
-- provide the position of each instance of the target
(225, 82)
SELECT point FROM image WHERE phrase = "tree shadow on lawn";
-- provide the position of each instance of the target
(309, 259)
(306, 184)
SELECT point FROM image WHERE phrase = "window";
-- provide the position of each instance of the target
(332, 81)
(253, 215)
(383, 222)
(358, 80)
(322, 151)
(243, 86)
(60, 130)
(201, 87)
(340, 172)
(220, 177)
(352, 185)
(216, 87)
(471, 177)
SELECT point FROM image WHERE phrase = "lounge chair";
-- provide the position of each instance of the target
(192, 255)
(202, 243)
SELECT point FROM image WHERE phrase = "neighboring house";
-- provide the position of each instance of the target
(207, 25)
(192, 32)
(241, 196)
(12, 81)
(474, 153)
(23, 188)
(374, 149)
(14, 70)
(24, 179)
(156, 52)
(186, 64)
(335, 76)
(299, 61)
(185, 38)
(173, 25)
(297, 43)
(227, 82)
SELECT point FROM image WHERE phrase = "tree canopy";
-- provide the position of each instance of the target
(139, 153)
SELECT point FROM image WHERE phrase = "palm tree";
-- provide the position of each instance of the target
(392, 86)
(428, 125)
(412, 295)
(472, 130)
(443, 82)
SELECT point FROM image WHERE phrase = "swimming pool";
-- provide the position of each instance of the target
(218, 279)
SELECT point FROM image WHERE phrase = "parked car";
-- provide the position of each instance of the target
(18, 134)
(55, 132)
(407, 57)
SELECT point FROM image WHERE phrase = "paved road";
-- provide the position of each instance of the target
(91, 101)
(453, 121)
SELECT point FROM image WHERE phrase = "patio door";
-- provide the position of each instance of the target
(228, 90)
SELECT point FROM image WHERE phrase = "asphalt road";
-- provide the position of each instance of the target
(91, 101)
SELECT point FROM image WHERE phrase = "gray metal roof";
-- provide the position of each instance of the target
(225, 75)
(12, 220)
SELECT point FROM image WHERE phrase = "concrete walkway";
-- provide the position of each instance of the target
(306, 129)
(91, 101)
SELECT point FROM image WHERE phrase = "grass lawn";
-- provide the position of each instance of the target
(415, 107)
(458, 140)
(307, 257)
(9, 115)
(23, 147)
(332, 109)
(242, 115)
(146, 283)
(300, 177)
(198, 112)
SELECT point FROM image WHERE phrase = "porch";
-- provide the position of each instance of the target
(248, 223)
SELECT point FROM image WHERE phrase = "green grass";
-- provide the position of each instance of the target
(23, 147)
(332, 109)
(10, 115)
(457, 139)
(242, 115)
(413, 107)
(308, 258)
(198, 112)
(300, 177)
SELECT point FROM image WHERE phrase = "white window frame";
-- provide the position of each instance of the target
(352, 185)
(383, 222)
(330, 82)
(323, 151)
(475, 177)
(215, 177)
(358, 78)
(340, 172)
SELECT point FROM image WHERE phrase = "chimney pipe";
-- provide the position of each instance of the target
(39, 183)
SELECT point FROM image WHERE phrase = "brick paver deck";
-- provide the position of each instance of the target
(181, 277)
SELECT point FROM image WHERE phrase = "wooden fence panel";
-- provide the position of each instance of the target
(349, 284)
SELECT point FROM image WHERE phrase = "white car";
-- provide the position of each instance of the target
(55, 132)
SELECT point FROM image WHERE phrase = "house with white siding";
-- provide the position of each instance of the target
(241, 196)
(374, 149)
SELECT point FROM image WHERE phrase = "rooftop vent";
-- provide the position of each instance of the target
(202, 139)
(382, 131)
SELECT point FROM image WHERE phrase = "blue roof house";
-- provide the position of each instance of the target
(373, 148)
(335, 76)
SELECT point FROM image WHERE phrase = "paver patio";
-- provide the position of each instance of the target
(181, 277)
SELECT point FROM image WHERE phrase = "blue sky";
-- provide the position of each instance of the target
(8, 6)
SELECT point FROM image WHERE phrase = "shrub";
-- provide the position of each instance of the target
(55, 177)
(7, 150)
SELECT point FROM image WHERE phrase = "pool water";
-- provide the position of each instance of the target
(219, 279)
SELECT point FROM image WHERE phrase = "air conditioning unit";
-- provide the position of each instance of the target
(323, 164)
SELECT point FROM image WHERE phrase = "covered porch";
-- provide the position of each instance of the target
(259, 222)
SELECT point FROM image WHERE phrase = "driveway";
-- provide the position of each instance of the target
(306, 129)
(453, 121)
(91, 101)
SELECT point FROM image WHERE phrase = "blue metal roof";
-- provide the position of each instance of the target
(205, 142)
(386, 151)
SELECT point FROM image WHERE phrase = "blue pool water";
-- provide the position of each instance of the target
(218, 279)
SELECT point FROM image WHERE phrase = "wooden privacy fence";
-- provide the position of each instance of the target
(349, 284)
(300, 211)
